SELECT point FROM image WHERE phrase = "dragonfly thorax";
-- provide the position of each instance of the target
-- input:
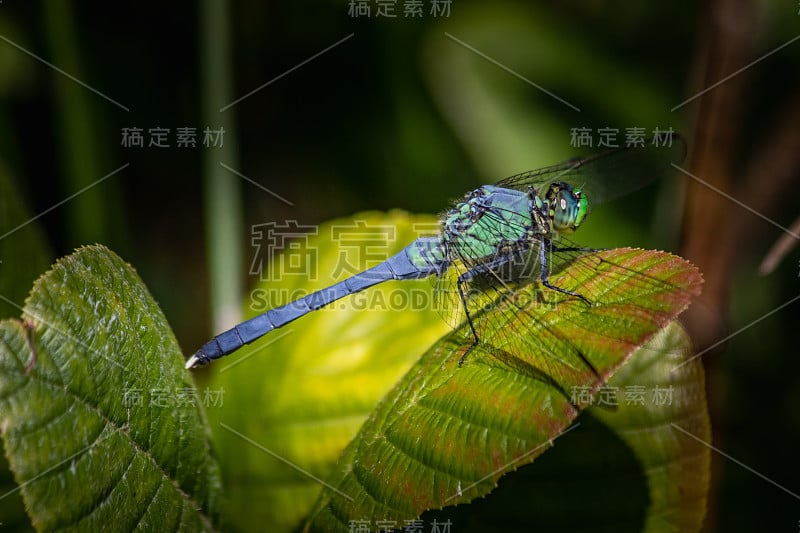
(490, 220)
(567, 207)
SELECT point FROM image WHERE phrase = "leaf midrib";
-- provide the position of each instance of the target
(60, 388)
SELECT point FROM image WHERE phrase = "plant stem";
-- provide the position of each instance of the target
(223, 204)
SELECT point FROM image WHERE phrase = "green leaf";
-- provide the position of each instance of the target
(304, 391)
(677, 467)
(445, 434)
(294, 399)
(625, 467)
(101, 425)
(24, 255)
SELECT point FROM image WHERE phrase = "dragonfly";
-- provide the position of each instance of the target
(491, 243)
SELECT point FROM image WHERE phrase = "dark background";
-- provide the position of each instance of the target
(402, 116)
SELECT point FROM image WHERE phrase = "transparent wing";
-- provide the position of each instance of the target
(524, 323)
(493, 292)
(606, 175)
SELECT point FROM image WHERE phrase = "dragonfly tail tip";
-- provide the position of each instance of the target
(194, 362)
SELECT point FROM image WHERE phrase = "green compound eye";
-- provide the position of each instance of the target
(583, 207)
(568, 207)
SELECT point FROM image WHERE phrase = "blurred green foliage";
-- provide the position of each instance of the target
(400, 116)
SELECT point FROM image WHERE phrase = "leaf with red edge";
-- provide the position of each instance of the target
(446, 433)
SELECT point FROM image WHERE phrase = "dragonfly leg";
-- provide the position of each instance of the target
(546, 272)
(463, 278)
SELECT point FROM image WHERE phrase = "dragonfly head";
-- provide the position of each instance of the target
(568, 207)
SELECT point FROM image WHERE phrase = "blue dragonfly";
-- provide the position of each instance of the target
(494, 241)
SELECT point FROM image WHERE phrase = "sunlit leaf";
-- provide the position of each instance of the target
(100, 422)
(303, 391)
